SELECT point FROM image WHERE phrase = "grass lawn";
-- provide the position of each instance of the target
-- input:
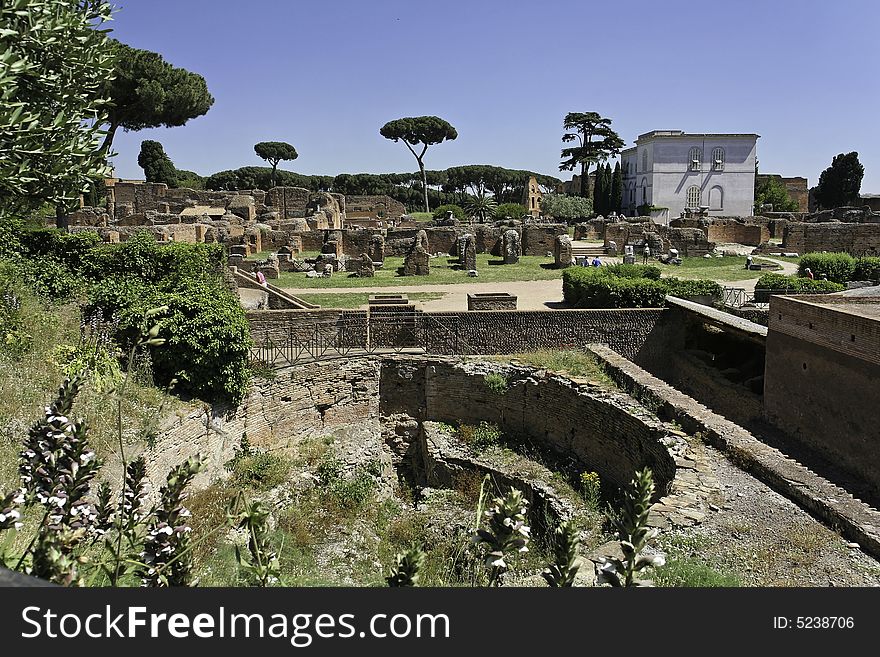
(529, 268)
(728, 268)
(358, 299)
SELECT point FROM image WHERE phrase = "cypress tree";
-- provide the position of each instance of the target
(599, 194)
(616, 189)
(156, 164)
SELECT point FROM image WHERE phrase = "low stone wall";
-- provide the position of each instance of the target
(489, 301)
(855, 239)
(738, 233)
(853, 518)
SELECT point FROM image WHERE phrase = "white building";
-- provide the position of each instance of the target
(676, 170)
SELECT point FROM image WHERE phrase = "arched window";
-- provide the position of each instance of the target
(695, 158)
(693, 197)
(716, 198)
(645, 160)
(644, 190)
(718, 159)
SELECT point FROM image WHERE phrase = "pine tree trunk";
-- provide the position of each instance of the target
(108, 138)
(424, 185)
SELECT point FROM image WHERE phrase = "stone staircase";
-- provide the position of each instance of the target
(586, 249)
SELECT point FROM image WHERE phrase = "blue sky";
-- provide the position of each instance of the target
(325, 76)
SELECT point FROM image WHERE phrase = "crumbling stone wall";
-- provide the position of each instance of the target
(737, 232)
(688, 241)
(376, 207)
(856, 239)
(538, 239)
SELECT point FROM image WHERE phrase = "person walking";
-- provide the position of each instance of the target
(809, 274)
(646, 253)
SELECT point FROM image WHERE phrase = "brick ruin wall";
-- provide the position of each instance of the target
(594, 427)
(738, 233)
(821, 383)
(856, 239)
(374, 206)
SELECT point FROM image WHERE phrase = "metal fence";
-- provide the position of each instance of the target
(384, 332)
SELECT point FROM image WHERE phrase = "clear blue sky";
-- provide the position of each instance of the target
(326, 75)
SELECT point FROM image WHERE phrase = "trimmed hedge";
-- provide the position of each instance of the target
(867, 269)
(780, 284)
(457, 212)
(634, 271)
(685, 288)
(838, 267)
(597, 288)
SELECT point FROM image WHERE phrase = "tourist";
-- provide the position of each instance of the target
(261, 278)
(748, 262)
(597, 262)
(646, 253)
(809, 274)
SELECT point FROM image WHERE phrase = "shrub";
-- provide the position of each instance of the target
(560, 206)
(838, 267)
(770, 284)
(496, 382)
(685, 288)
(457, 212)
(260, 470)
(591, 489)
(481, 436)
(594, 288)
(512, 210)
(634, 271)
(867, 269)
(71, 249)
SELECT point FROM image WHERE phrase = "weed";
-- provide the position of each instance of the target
(497, 383)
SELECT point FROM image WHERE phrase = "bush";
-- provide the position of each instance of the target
(634, 271)
(512, 210)
(594, 288)
(867, 269)
(685, 288)
(260, 470)
(71, 249)
(496, 382)
(838, 267)
(560, 206)
(457, 212)
(780, 284)
(481, 436)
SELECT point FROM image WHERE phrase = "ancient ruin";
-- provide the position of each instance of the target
(510, 247)
(562, 255)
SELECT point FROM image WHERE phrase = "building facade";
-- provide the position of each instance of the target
(675, 170)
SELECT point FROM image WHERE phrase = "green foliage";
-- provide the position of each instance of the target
(568, 208)
(274, 152)
(457, 211)
(770, 284)
(616, 189)
(867, 269)
(481, 436)
(633, 271)
(157, 166)
(773, 191)
(261, 566)
(405, 569)
(262, 178)
(562, 571)
(687, 288)
(593, 288)
(419, 130)
(148, 92)
(839, 184)
(507, 533)
(602, 190)
(15, 341)
(481, 207)
(583, 127)
(260, 470)
(496, 382)
(634, 534)
(54, 58)
(92, 359)
(838, 267)
(691, 573)
(350, 493)
(190, 179)
(512, 210)
(571, 361)
(591, 489)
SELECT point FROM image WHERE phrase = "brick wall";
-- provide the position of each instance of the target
(374, 206)
(596, 428)
(738, 233)
(856, 239)
(823, 365)
(539, 240)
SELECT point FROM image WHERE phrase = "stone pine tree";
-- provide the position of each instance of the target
(157, 166)
(839, 184)
(54, 59)
(596, 143)
(274, 152)
(419, 131)
(148, 92)
(616, 189)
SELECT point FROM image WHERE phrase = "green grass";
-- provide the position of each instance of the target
(442, 273)
(359, 299)
(728, 268)
(692, 573)
(566, 361)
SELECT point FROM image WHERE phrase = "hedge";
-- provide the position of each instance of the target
(838, 267)
(867, 269)
(597, 288)
(457, 212)
(634, 271)
(780, 284)
(685, 288)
